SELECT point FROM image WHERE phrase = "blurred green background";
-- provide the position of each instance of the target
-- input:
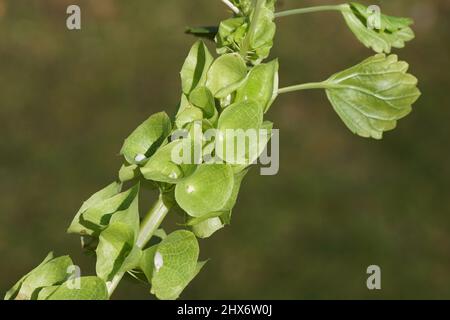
(339, 203)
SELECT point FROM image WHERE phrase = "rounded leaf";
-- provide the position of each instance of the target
(373, 95)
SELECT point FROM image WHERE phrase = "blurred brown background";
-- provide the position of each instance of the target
(339, 204)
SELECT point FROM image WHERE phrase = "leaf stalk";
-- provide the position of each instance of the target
(292, 12)
(305, 86)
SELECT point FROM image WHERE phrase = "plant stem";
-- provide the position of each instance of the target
(149, 225)
(305, 86)
(309, 10)
(252, 29)
(231, 6)
(152, 222)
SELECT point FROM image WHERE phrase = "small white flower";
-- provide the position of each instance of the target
(231, 6)
(227, 100)
(158, 261)
(140, 157)
(173, 175)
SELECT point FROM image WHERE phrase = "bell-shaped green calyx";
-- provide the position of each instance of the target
(109, 191)
(203, 99)
(207, 228)
(161, 166)
(376, 30)
(124, 204)
(261, 85)
(231, 33)
(115, 247)
(116, 250)
(238, 134)
(206, 190)
(371, 96)
(144, 141)
(52, 271)
(172, 264)
(195, 67)
(251, 33)
(226, 74)
(128, 172)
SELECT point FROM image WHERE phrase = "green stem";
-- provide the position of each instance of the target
(152, 221)
(149, 225)
(305, 86)
(287, 13)
(251, 32)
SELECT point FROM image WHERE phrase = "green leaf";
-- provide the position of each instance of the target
(115, 245)
(175, 264)
(207, 228)
(195, 67)
(144, 141)
(50, 272)
(160, 166)
(392, 31)
(206, 190)
(99, 215)
(106, 193)
(371, 96)
(91, 288)
(226, 74)
(203, 32)
(261, 85)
